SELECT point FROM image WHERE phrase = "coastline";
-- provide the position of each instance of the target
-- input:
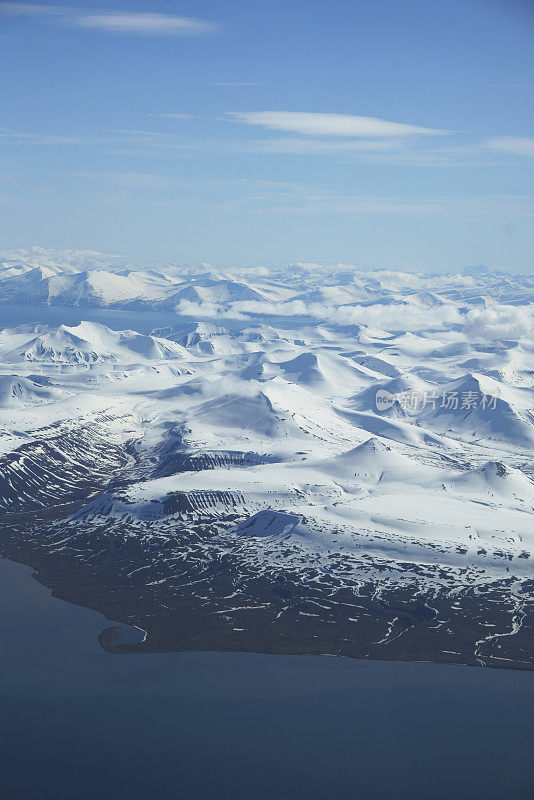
(105, 591)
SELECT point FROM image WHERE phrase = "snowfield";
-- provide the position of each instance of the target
(376, 427)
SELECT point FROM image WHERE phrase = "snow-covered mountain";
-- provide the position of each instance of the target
(91, 342)
(366, 430)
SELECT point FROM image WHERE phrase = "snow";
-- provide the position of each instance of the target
(285, 365)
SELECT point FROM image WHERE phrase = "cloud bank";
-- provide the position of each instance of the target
(500, 322)
(390, 318)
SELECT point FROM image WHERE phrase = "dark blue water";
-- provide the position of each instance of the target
(76, 722)
(141, 321)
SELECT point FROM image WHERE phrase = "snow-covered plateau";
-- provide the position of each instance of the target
(310, 459)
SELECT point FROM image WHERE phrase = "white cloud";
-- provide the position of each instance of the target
(391, 318)
(514, 145)
(236, 84)
(131, 180)
(144, 23)
(316, 124)
(173, 116)
(28, 10)
(119, 139)
(500, 322)
(312, 200)
(125, 22)
(38, 138)
(208, 310)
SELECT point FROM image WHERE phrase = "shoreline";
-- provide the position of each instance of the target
(108, 594)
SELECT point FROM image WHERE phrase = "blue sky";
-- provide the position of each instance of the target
(398, 133)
